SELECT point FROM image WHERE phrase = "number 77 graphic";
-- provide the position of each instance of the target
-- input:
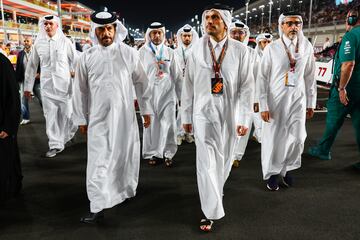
(322, 69)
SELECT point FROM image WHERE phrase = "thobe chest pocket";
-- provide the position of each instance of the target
(60, 56)
(44, 55)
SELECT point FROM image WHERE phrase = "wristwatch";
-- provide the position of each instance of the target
(341, 89)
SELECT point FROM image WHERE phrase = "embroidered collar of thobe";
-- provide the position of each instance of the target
(218, 45)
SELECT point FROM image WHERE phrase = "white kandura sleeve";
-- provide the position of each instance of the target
(142, 90)
(31, 70)
(310, 82)
(81, 93)
(246, 91)
(263, 79)
(187, 94)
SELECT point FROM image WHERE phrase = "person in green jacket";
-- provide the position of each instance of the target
(344, 95)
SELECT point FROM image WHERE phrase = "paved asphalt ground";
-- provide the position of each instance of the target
(323, 204)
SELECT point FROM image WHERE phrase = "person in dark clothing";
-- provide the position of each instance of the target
(10, 170)
(21, 63)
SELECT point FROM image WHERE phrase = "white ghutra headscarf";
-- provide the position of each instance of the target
(100, 19)
(152, 27)
(187, 29)
(42, 33)
(225, 13)
(239, 24)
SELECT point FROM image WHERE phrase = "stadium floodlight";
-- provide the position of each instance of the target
(262, 14)
(270, 6)
(247, 10)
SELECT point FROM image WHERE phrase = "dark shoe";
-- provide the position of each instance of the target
(357, 166)
(316, 152)
(52, 152)
(272, 183)
(287, 181)
(92, 217)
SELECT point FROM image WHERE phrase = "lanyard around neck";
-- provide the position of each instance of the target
(158, 58)
(184, 57)
(217, 63)
(291, 58)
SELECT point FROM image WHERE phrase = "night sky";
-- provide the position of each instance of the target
(174, 14)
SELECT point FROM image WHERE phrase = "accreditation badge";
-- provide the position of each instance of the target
(290, 78)
(160, 70)
(217, 85)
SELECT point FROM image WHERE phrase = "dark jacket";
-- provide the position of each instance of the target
(20, 69)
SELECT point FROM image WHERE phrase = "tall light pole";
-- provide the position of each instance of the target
(3, 20)
(59, 12)
(247, 11)
(310, 13)
(270, 6)
(262, 15)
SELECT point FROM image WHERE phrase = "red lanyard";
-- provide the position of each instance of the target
(217, 64)
(291, 59)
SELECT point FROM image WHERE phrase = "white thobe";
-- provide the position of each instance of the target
(181, 54)
(283, 138)
(103, 100)
(242, 141)
(56, 56)
(215, 117)
(159, 140)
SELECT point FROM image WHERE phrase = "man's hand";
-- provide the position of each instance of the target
(187, 128)
(3, 135)
(241, 130)
(147, 121)
(265, 116)
(309, 113)
(83, 129)
(27, 94)
(37, 77)
(343, 97)
(72, 74)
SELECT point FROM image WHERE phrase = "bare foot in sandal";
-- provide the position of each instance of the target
(206, 225)
(168, 162)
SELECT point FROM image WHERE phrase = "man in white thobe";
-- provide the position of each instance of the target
(241, 32)
(56, 55)
(287, 96)
(104, 108)
(165, 79)
(186, 38)
(216, 103)
(262, 40)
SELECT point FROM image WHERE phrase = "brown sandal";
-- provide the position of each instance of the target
(168, 162)
(154, 161)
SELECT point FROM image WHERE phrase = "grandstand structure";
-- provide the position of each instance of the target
(327, 17)
(20, 18)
